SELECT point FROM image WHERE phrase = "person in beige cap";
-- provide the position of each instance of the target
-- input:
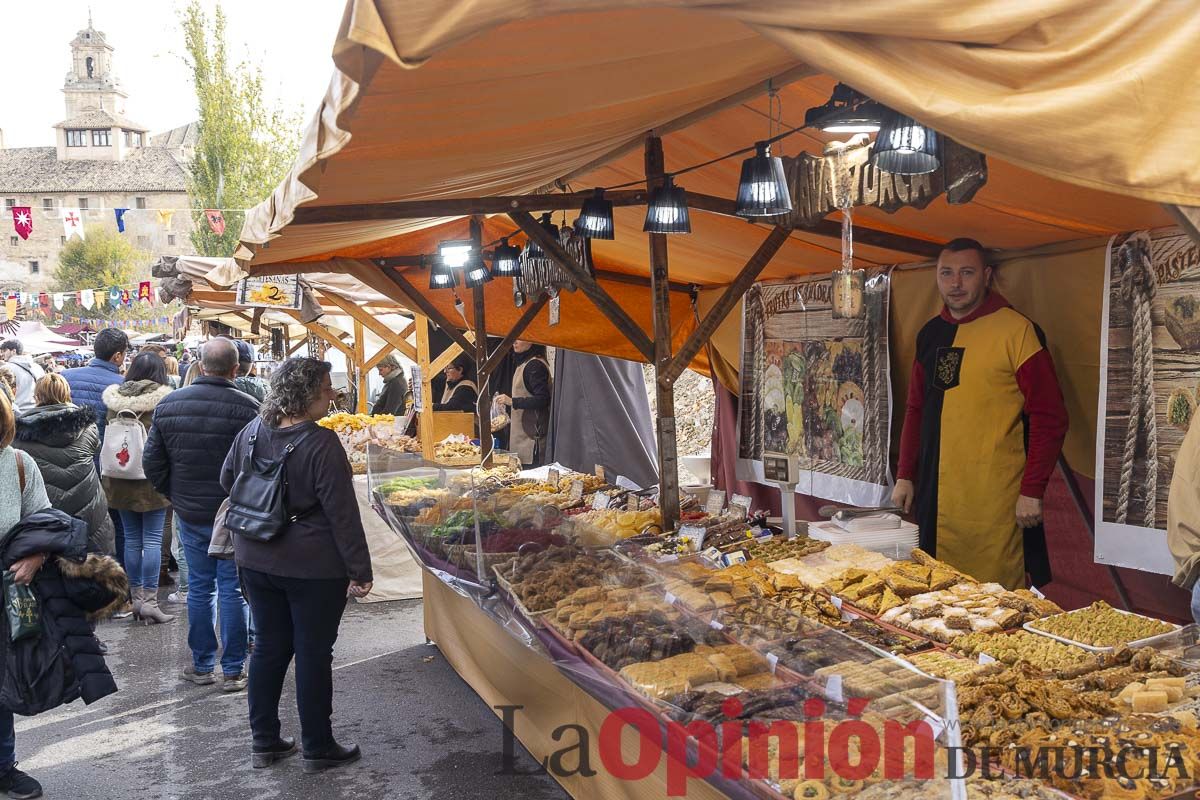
(391, 399)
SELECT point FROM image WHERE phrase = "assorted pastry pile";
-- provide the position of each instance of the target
(1101, 625)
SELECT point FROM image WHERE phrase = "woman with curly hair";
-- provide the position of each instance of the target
(297, 582)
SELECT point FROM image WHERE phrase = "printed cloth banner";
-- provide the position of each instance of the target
(22, 221)
(114, 296)
(216, 220)
(120, 214)
(1149, 360)
(44, 303)
(10, 307)
(87, 298)
(72, 221)
(58, 300)
(816, 385)
(144, 295)
(126, 298)
(164, 216)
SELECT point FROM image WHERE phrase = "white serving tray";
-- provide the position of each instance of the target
(1096, 649)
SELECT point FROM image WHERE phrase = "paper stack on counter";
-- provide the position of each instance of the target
(882, 533)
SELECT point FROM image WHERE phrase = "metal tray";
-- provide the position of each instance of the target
(1107, 648)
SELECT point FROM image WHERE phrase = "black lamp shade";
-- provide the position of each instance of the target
(441, 276)
(477, 274)
(667, 211)
(596, 218)
(847, 111)
(506, 261)
(532, 248)
(763, 189)
(906, 147)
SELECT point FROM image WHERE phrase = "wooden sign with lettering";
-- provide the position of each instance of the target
(814, 179)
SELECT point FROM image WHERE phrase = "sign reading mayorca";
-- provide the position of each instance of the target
(1149, 390)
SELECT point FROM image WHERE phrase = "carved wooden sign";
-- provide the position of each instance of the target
(815, 181)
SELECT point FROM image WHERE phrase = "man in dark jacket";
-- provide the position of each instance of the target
(391, 397)
(193, 430)
(88, 383)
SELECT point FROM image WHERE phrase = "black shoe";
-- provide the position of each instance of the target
(103, 647)
(336, 756)
(266, 756)
(20, 786)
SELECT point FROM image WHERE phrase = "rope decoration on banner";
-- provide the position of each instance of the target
(874, 319)
(1139, 283)
(762, 303)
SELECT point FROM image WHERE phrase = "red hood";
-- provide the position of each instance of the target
(992, 303)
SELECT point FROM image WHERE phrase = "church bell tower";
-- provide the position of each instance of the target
(91, 84)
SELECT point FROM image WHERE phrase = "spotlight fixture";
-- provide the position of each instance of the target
(668, 211)
(532, 248)
(506, 260)
(455, 253)
(848, 111)
(442, 276)
(763, 189)
(905, 146)
(596, 217)
(477, 274)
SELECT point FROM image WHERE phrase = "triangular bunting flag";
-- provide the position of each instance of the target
(216, 220)
(164, 216)
(58, 300)
(144, 292)
(72, 222)
(114, 296)
(120, 212)
(22, 221)
(87, 298)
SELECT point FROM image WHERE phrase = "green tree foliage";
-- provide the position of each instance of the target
(246, 142)
(104, 258)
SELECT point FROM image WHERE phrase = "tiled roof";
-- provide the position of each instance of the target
(30, 170)
(183, 136)
(95, 118)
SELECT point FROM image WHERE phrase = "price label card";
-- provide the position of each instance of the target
(600, 471)
(667, 559)
(716, 625)
(1037, 593)
(837, 602)
(772, 662)
(833, 688)
(553, 476)
(576, 491)
(600, 501)
(715, 503)
(694, 535)
(736, 557)
(984, 658)
(670, 598)
(743, 502)
(555, 309)
(714, 555)
(625, 483)
(631, 503)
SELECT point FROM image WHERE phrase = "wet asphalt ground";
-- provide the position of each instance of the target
(424, 733)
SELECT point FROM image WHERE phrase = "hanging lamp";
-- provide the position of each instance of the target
(477, 274)
(596, 217)
(905, 146)
(763, 189)
(848, 111)
(455, 253)
(506, 260)
(441, 276)
(668, 211)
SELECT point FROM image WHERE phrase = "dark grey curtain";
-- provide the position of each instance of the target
(601, 415)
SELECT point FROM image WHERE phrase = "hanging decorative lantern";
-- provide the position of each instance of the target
(596, 217)
(506, 260)
(848, 111)
(906, 147)
(668, 211)
(442, 276)
(763, 189)
(477, 274)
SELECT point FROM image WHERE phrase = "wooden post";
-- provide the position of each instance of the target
(483, 406)
(668, 457)
(360, 360)
(425, 426)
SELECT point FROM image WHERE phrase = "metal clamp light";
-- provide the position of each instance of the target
(847, 111)
(455, 253)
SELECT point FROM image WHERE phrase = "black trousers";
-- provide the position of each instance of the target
(293, 617)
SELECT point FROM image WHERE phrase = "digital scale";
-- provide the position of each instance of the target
(783, 470)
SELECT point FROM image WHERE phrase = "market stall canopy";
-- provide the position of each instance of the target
(1079, 108)
(36, 338)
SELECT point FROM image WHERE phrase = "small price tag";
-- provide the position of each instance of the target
(631, 503)
(837, 602)
(576, 491)
(555, 309)
(772, 662)
(736, 557)
(670, 598)
(600, 501)
(833, 688)
(716, 625)
(553, 476)
(743, 502)
(984, 658)
(694, 535)
(1037, 593)
(713, 555)
(667, 559)
(600, 471)
(715, 503)
(625, 483)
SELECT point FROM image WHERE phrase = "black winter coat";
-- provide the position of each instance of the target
(64, 662)
(193, 430)
(63, 440)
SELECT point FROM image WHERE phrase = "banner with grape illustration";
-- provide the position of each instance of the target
(816, 385)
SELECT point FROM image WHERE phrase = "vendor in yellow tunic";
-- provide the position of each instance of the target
(983, 429)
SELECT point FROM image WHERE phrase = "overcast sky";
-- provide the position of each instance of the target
(291, 39)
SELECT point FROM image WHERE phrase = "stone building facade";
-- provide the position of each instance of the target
(100, 161)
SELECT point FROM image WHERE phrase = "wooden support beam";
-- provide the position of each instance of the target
(603, 301)
(372, 324)
(360, 375)
(483, 405)
(374, 360)
(668, 469)
(297, 346)
(425, 427)
(459, 206)
(449, 354)
(400, 291)
(324, 333)
(727, 302)
(407, 332)
(506, 344)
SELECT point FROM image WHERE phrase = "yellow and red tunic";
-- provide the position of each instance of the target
(985, 422)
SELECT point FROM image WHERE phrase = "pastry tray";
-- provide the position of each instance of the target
(1149, 640)
(533, 616)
